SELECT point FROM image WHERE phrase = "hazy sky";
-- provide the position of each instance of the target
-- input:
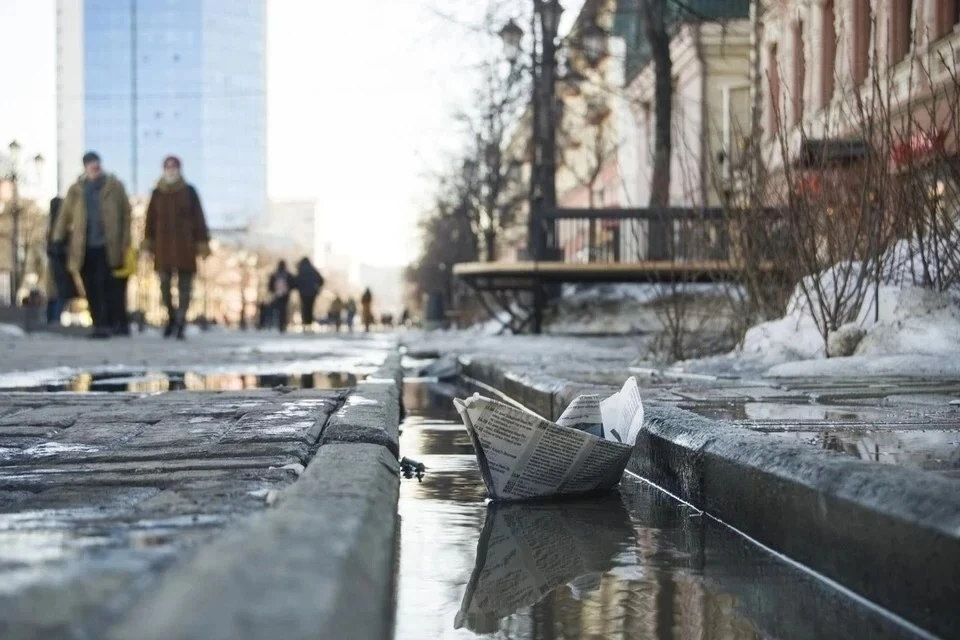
(360, 98)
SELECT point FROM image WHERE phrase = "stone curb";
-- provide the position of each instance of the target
(889, 534)
(318, 565)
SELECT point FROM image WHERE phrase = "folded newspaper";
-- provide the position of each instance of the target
(521, 455)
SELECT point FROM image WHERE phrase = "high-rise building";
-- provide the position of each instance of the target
(138, 80)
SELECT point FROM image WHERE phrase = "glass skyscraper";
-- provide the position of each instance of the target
(168, 77)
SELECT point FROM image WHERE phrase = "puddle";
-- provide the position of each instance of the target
(923, 437)
(157, 381)
(780, 411)
(915, 449)
(632, 565)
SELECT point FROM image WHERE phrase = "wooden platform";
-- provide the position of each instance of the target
(491, 276)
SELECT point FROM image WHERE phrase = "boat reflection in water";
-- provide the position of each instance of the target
(528, 550)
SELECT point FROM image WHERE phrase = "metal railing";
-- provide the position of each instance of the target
(632, 235)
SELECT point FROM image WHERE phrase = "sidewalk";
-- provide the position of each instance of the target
(197, 514)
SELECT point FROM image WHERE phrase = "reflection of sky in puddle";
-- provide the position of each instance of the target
(847, 430)
(917, 449)
(782, 411)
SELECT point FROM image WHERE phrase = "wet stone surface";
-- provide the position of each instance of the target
(908, 421)
(634, 565)
(100, 492)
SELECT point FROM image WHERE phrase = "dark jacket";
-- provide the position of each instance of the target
(280, 284)
(176, 230)
(308, 281)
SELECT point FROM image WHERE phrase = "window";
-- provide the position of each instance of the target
(948, 15)
(862, 22)
(773, 77)
(901, 29)
(799, 73)
(829, 59)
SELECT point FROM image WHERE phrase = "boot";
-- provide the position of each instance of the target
(171, 323)
(181, 326)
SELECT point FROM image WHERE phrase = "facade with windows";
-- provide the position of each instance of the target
(820, 58)
(139, 80)
(841, 80)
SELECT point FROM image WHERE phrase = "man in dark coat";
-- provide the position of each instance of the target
(176, 234)
(309, 283)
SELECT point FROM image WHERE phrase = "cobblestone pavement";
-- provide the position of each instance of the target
(912, 422)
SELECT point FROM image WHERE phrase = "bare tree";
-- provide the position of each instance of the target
(654, 13)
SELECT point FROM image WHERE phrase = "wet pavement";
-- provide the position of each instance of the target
(148, 381)
(910, 421)
(101, 493)
(638, 564)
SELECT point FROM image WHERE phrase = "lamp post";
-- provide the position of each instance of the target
(592, 41)
(544, 27)
(14, 175)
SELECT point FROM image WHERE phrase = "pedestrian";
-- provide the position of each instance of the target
(176, 235)
(280, 284)
(366, 309)
(117, 303)
(93, 230)
(309, 284)
(405, 317)
(351, 313)
(335, 312)
(60, 286)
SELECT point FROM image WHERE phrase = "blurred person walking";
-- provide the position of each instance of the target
(117, 313)
(335, 313)
(309, 283)
(93, 231)
(351, 313)
(176, 234)
(280, 284)
(60, 285)
(366, 309)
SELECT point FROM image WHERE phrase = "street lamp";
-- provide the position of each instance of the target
(551, 12)
(511, 35)
(593, 40)
(14, 176)
(14, 148)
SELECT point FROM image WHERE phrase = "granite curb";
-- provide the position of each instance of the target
(890, 534)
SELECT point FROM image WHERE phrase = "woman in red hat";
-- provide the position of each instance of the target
(176, 235)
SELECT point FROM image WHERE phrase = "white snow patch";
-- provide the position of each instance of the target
(11, 331)
(899, 318)
(910, 365)
(20, 379)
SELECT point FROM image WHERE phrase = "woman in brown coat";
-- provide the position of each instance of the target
(176, 235)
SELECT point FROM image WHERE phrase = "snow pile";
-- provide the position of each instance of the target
(913, 320)
(896, 317)
(10, 331)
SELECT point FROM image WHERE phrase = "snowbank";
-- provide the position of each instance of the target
(899, 318)
(916, 365)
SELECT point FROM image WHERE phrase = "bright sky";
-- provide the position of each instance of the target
(360, 101)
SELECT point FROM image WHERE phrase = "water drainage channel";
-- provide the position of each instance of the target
(635, 565)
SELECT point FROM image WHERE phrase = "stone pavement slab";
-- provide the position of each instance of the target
(91, 510)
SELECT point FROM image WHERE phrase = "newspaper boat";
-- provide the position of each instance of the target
(522, 455)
